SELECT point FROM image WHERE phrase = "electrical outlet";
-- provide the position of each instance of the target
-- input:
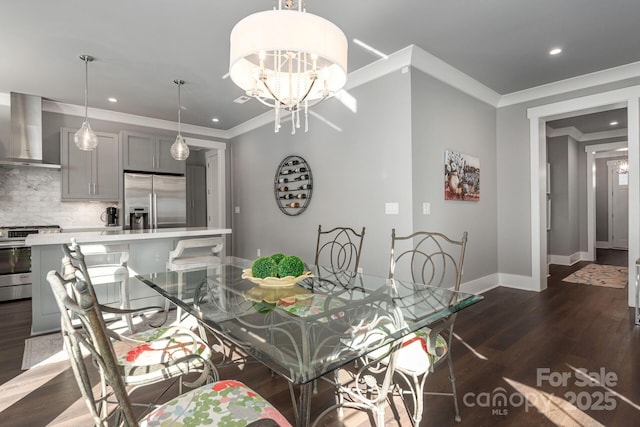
(237, 210)
(258, 253)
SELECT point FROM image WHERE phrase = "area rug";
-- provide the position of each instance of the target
(611, 276)
(43, 350)
(46, 349)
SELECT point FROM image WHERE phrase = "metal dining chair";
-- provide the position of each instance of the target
(433, 259)
(147, 356)
(339, 249)
(211, 404)
(367, 384)
(106, 271)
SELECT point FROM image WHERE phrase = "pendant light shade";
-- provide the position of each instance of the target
(85, 138)
(288, 59)
(179, 149)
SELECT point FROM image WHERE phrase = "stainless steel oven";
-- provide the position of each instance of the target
(15, 260)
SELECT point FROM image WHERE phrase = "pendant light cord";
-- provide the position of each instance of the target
(86, 88)
(86, 59)
(179, 121)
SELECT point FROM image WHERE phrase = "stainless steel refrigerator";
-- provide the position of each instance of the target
(154, 201)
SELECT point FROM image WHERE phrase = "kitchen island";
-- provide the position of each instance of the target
(148, 252)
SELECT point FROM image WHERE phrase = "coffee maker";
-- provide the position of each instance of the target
(110, 216)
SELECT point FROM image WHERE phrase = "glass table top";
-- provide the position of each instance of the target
(305, 330)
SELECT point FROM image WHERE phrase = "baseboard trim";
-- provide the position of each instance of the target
(568, 260)
(486, 283)
(514, 281)
(481, 285)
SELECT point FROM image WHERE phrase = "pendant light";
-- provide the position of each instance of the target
(179, 149)
(85, 138)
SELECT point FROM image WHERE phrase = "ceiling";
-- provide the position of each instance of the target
(141, 46)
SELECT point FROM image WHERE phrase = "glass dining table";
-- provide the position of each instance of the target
(307, 329)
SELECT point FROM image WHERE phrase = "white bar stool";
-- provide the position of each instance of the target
(191, 254)
(106, 273)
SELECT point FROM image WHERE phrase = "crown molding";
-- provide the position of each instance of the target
(575, 83)
(571, 131)
(411, 55)
(574, 133)
(132, 119)
(614, 133)
(604, 148)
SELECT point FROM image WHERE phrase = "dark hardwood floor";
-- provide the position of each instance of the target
(523, 346)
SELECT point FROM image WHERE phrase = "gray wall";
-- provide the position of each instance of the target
(5, 130)
(514, 186)
(444, 118)
(567, 200)
(392, 150)
(355, 172)
(559, 235)
(602, 198)
(602, 201)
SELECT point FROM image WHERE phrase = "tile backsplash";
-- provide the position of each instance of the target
(31, 196)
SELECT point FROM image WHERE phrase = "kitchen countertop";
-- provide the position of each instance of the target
(116, 235)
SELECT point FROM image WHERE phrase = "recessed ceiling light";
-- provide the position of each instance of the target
(215, 120)
(555, 51)
(614, 123)
(112, 99)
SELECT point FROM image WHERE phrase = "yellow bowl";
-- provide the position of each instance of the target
(274, 282)
(275, 295)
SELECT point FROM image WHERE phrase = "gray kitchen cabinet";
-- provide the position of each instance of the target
(196, 196)
(149, 153)
(91, 175)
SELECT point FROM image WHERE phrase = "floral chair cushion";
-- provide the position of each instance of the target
(155, 354)
(415, 356)
(223, 403)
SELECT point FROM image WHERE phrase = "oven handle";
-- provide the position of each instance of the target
(12, 244)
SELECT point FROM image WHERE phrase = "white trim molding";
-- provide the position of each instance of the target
(584, 81)
(568, 259)
(481, 285)
(132, 119)
(515, 281)
(629, 96)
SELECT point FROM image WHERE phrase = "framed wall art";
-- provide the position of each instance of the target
(461, 176)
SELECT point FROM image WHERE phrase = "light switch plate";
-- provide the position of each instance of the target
(426, 208)
(237, 210)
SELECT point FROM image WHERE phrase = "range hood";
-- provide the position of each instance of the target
(25, 144)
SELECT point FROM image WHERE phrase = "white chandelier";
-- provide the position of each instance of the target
(623, 167)
(288, 59)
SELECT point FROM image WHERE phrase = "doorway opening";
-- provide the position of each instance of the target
(538, 116)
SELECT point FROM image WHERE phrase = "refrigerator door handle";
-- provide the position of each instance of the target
(155, 210)
(151, 208)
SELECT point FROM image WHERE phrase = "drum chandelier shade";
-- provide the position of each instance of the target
(288, 59)
(85, 138)
(179, 149)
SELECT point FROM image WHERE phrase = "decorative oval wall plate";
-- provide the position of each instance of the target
(293, 185)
